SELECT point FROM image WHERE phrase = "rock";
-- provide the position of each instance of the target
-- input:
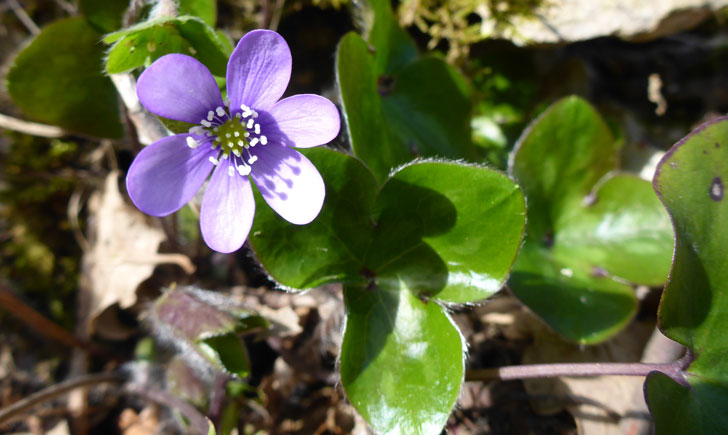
(563, 21)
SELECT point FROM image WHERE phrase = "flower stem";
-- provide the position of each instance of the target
(675, 370)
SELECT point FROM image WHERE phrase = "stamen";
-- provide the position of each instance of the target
(191, 142)
(210, 115)
(254, 142)
(263, 140)
(227, 135)
(214, 161)
(253, 159)
(241, 143)
(196, 130)
(244, 170)
(231, 171)
(257, 128)
(236, 152)
(250, 124)
(255, 114)
(206, 123)
(246, 134)
(220, 111)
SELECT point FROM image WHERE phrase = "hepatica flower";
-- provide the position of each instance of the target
(250, 135)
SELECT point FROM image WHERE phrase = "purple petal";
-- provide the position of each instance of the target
(289, 183)
(179, 87)
(227, 210)
(258, 71)
(167, 174)
(304, 121)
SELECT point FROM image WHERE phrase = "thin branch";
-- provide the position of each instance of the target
(32, 128)
(37, 321)
(674, 370)
(25, 404)
(149, 128)
(23, 16)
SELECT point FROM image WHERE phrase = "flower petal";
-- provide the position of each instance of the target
(227, 210)
(179, 87)
(304, 121)
(258, 70)
(167, 174)
(289, 183)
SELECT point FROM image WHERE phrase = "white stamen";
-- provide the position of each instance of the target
(206, 123)
(246, 134)
(191, 142)
(196, 130)
(209, 134)
(244, 170)
(237, 115)
(257, 128)
(216, 129)
(236, 152)
(226, 156)
(244, 107)
(227, 135)
(255, 114)
(241, 143)
(237, 134)
(263, 140)
(254, 142)
(230, 144)
(226, 101)
(252, 159)
(250, 124)
(231, 171)
(214, 161)
(210, 115)
(220, 111)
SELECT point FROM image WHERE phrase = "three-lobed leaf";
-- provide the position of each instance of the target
(691, 181)
(589, 230)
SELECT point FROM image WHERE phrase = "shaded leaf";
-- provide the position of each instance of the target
(401, 360)
(104, 15)
(57, 79)
(203, 9)
(394, 48)
(691, 180)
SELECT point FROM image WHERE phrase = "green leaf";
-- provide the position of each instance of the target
(559, 159)
(588, 232)
(429, 108)
(393, 46)
(104, 15)
(581, 306)
(447, 229)
(329, 249)
(423, 110)
(57, 79)
(401, 360)
(203, 9)
(369, 133)
(691, 181)
(227, 352)
(142, 44)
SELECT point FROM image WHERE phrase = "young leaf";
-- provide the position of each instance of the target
(582, 232)
(145, 42)
(691, 181)
(57, 79)
(401, 360)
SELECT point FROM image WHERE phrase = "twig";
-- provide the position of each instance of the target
(23, 405)
(674, 370)
(198, 423)
(23, 16)
(37, 321)
(32, 128)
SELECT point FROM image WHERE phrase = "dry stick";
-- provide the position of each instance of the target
(674, 370)
(37, 321)
(23, 405)
(149, 129)
(23, 16)
(32, 128)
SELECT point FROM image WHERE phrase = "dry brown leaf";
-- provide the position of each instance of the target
(123, 253)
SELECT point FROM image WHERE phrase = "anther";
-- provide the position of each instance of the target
(241, 143)
(250, 124)
(210, 115)
(255, 114)
(244, 170)
(206, 123)
(237, 134)
(231, 171)
(252, 159)
(214, 161)
(220, 111)
(263, 140)
(254, 142)
(257, 128)
(191, 142)
(236, 152)
(227, 135)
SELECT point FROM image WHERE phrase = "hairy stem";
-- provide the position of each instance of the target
(675, 370)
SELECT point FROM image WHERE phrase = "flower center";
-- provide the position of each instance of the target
(233, 135)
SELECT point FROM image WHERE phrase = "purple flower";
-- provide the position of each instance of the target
(249, 136)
